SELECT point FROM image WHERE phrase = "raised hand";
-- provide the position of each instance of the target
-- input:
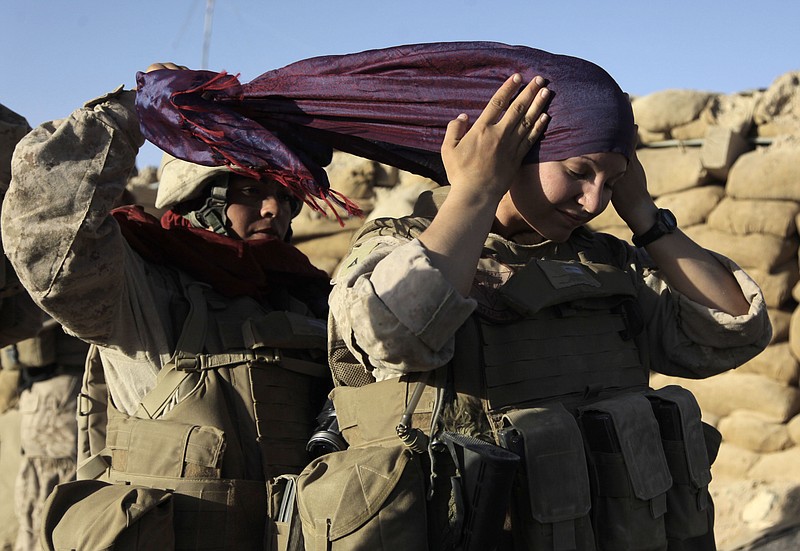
(481, 163)
(486, 157)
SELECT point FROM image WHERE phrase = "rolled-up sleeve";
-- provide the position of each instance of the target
(394, 309)
(687, 339)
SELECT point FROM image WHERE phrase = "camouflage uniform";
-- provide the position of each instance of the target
(48, 427)
(371, 302)
(509, 358)
(42, 371)
(72, 258)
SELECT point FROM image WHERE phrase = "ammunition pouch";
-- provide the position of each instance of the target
(628, 473)
(210, 512)
(682, 437)
(481, 489)
(551, 504)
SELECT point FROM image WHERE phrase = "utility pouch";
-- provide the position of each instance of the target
(210, 512)
(678, 416)
(284, 531)
(163, 448)
(94, 515)
(550, 510)
(628, 472)
(363, 498)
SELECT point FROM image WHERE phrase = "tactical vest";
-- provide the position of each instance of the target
(552, 363)
(230, 414)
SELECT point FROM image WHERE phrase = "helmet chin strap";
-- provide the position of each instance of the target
(212, 214)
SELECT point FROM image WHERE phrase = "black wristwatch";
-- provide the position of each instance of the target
(665, 223)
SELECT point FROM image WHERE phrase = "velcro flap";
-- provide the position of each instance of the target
(558, 282)
(281, 329)
(370, 413)
(558, 480)
(162, 447)
(640, 442)
(692, 428)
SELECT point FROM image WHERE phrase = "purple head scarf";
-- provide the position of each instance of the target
(391, 105)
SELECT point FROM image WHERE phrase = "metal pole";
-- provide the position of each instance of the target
(207, 32)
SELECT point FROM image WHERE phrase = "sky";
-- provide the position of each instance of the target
(57, 54)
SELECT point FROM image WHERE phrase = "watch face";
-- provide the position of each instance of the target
(669, 220)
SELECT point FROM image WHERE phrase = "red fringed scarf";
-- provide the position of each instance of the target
(263, 270)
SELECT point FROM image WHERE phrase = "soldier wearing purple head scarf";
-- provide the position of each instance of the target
(491, 354)
(492, 316)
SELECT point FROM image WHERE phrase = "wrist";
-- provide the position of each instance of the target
(664, 223)
(641, 219)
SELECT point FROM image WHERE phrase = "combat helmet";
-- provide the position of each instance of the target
(184, 185)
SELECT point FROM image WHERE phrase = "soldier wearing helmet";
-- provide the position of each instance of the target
(207, 329)
(204, 195)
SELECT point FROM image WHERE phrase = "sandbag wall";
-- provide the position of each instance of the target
(729, 168)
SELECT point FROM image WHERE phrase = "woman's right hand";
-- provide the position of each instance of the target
(486, 157)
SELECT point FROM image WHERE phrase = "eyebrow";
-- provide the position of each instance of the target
(594, 163)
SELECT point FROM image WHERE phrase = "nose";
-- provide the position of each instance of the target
(270, 207)
(594, 197)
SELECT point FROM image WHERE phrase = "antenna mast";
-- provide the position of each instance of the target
(207, 32)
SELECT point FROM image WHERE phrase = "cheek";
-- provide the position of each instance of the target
(557, 189)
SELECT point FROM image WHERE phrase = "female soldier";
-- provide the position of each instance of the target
(537, 333)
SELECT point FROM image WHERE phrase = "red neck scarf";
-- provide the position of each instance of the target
(264, 270)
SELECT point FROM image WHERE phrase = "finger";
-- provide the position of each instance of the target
(456, 129)
(520, 106)
(165, 65)
(530, 122)
(536, 132)
(500, 100)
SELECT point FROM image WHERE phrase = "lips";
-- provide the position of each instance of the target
(267, 233)
(576, 219)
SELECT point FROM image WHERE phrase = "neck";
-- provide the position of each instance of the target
(510, 225)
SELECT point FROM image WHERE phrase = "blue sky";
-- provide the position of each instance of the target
(56, 54)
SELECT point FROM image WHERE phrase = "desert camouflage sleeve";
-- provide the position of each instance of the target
(66, 177)
(687, 339)
(395, 311)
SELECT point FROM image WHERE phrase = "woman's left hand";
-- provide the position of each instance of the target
(632, 200)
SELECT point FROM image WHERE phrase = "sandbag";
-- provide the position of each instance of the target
(671, 169)
(746, 216)
(794, 333)
(751, 432)
(756, 250)
(776, 362)
(780, 320)
(767, 173)
(776, 285)
(782, 465)
(692, 206)
(732, 390)
(663, 110)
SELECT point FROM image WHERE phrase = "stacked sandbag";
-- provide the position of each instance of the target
(379, 190)
(742, 152)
